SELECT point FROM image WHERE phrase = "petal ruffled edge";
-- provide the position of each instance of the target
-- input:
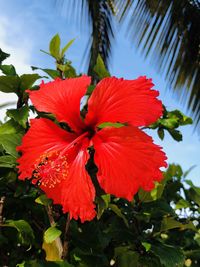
(62, 98)
(127, 159)
(126, 101)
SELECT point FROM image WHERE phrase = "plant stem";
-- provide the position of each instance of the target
(2, 200)
(66, 239)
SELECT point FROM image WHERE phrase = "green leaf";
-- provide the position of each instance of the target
(169, 256)
(7, 162)
(118, 212)
(8, 70)
(154, 194)
(110, 124)
(102, 204)
(125, 257)
(161, 133)
(19, 115)
(147, 246)
(54, 47)
(176, 135)
(3, 56)
(51, 234)
(10, 142)
(52, 73)
(66, 47)
(25, 232)
(100, 68)
(43, 200)
(182, 204)
(169, 223)
(9, 84)
(27, 80)
(10, 136)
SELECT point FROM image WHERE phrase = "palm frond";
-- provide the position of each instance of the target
(98, 15)
(169, 33)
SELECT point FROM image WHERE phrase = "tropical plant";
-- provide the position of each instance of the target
(159, 228)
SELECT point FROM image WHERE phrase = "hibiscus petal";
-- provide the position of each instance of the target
(62, 98)
(43, 136)
(125, 101)
(127, 159)
(77, 190)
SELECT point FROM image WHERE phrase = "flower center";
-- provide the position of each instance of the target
(90, 131)
(51, 170)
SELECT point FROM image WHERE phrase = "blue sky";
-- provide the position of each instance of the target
(27, 26)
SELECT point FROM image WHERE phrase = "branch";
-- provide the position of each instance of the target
(66, 239)
(2, 200)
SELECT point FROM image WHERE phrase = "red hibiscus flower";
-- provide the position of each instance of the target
(126, 158)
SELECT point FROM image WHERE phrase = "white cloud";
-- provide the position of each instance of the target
(20, 54)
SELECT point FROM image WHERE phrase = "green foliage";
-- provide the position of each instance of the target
(170, 121)
(10, 136)
(25, 232)
(51, 234)
(9, 84)
(19, 115)
(157, 229)
(3, 56)
(100, 68)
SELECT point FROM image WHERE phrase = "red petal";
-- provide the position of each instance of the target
(77, 190)
(62, 98)
(43, 136)
(127, 159)
(125, 101)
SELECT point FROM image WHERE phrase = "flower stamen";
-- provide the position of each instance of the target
(51, 169)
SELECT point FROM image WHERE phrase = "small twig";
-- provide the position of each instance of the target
(66, 238)
(2, 200)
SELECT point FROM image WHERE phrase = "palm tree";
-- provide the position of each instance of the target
(168, 31)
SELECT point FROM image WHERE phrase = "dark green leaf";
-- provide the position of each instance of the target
(9, 84)
(52, 73)
(170, 223)
(3, 56)
(10, 137)
(7, 161)
(126, 257)
(118, 212)
(25, 232)
(27, 80)
(169, 256)
(176, 135)
(19, 115)
(8, 70)
(161, 133)
(102, 204)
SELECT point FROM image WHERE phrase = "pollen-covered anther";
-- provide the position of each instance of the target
(51, 170)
